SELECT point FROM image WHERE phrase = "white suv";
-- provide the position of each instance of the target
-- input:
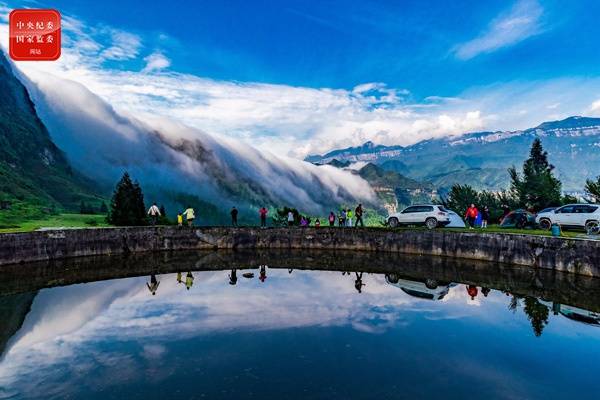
(585, 216)
(430, 215)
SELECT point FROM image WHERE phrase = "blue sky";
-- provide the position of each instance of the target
(390, 71)
(341, 44)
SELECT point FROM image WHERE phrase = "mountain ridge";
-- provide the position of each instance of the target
(35, 174)
(573, 145)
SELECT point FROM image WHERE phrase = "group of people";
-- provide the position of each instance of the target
(473, 213)
(189, 215)
(154, 283)
(472, 291)
(345, 217)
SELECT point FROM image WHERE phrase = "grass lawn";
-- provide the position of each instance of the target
(60, 221)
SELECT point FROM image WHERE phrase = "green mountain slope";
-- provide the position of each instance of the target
(35, 176)
(395, 190)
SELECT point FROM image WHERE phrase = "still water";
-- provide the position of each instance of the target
(317, 326)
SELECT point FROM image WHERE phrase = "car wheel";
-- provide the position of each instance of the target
(592, 227)
(431, 283)
(545, 224)
(392, 278)
(431, 223)
(393, 222)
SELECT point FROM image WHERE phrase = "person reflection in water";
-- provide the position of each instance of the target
(233, 277)
(263, 273)
(290, 271)
(472, 291)
(179, 280)
(189, 280)
(358, 283)
(153, 285)
(485, 291)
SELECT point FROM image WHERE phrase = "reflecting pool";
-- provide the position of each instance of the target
(296, 325)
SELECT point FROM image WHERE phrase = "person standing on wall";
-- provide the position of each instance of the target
(359, 215)
(471, 215)
(290, 218)
(331, 219)
(189, 216)
(263, 217)
(154, 213)
(234, 215)
(485, 217)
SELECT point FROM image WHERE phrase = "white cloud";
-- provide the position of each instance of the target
(518, 24)
(595, 107)
(155, 62)
(124, 45)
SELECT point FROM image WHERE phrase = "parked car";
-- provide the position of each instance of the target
(429, 289)
(578, 314)
(578, 216)
(519, 219)
(430, 215)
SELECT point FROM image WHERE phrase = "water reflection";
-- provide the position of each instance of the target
(426, 327)
(153, 284)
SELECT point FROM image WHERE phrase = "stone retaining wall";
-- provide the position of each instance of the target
(568, 255)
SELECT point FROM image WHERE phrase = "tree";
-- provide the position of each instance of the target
(461, 197)
(536, 187)
(537, 313)
(593, 188)
(103, 209)
(127, 204)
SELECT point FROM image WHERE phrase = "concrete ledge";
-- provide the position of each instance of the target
(566, 255)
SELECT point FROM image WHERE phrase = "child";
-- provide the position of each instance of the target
(317, 223)
(179, 219)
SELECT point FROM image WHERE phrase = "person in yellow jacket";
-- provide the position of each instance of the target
(189, 280)
(189, 216)
(179, 219)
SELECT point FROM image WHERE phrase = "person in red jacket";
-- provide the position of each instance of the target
(471, 215)
(263, 216)
(472, 291)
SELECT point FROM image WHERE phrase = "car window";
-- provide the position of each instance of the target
(442, 209)
(565, 210)
(425, 209)
(410, 210)
(585, 209)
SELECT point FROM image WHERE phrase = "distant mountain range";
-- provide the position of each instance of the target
(482, 158)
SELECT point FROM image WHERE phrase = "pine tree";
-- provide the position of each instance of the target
(536, 187)
(537, 313)
(127, 204)
(461, 197)
(593, 188)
